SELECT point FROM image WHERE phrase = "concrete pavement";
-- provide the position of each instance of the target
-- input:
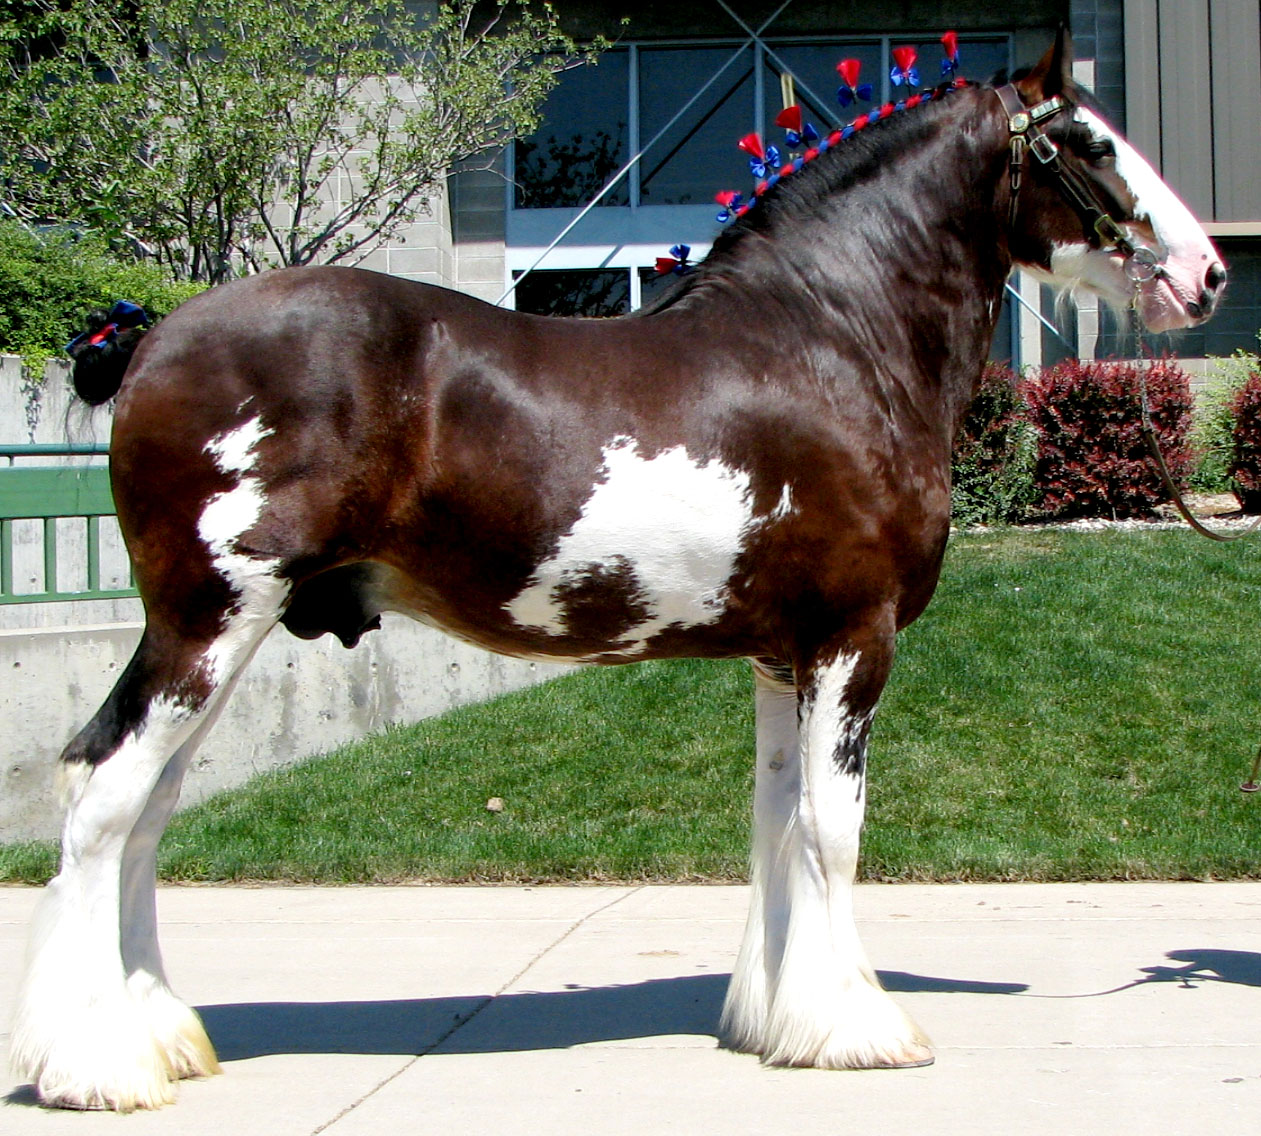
(1065, 1009)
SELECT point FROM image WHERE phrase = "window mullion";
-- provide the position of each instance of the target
(759, 86)
(632, 119)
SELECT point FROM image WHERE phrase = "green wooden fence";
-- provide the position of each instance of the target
(46, 494)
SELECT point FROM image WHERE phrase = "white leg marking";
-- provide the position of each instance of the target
(826, 1007)
(776, 789)
(175, 1026)
(79, 1035)
(97, 1026)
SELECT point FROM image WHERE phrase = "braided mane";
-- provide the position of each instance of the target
(846, 157)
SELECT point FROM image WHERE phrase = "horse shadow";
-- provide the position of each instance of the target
(577, 1015)
(1241, 968)
(581, 1015)
(519, 1022)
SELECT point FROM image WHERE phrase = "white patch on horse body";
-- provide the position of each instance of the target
(670, 526)
(234, 451)
(785, 507)
(226, 518)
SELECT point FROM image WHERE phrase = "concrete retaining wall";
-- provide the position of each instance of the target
(296, 698)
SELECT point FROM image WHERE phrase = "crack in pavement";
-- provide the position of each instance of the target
(464, 1020)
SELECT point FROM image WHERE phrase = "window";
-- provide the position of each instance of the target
(575, 292)
(701, 98)
(582, 142)
(697, 156)
(589, 131)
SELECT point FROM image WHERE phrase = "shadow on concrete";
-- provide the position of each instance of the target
(23, 1095)
(511, 1022)
(1207, 964)
(1243, 968)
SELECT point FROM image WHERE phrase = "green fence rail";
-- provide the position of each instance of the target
(46, 494)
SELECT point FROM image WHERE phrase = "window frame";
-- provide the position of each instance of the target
(633, 235)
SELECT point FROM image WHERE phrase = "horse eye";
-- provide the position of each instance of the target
(1101, 152)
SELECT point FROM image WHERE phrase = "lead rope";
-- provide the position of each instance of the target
(1148, 431)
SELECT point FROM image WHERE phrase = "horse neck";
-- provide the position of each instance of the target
(895, 263)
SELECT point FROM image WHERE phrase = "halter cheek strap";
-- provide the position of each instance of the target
(1023, 124)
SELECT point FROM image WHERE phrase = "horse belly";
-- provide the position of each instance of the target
(653, 556)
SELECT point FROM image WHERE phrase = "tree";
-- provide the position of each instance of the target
(217, 135)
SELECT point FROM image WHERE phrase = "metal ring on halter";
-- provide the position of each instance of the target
(1141, 266)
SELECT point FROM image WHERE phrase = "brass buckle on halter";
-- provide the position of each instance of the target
(1110, 233)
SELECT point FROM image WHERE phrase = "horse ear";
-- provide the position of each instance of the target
(1053, 74)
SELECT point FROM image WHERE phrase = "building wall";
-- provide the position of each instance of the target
(1193, 84)
(295, 700)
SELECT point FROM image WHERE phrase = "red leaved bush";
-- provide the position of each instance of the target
(1245, 465)
(1092, 461)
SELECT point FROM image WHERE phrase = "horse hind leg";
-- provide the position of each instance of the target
(97, 1026)
(175, 1026)
(825, 1006)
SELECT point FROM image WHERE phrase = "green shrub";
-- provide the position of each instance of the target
(50, 280)
(1212, 431)
(994, 454)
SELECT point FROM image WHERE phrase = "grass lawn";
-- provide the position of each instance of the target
(1072, 706)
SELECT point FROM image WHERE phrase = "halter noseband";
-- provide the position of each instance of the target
(1023, 122)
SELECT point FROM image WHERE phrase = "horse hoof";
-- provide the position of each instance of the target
(918, 1061)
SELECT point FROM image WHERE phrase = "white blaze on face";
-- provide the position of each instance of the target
(669, 527)
(1181, 246)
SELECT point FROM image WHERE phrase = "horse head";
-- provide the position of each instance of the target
(1088, 210)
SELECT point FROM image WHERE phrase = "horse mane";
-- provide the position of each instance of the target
(846, 163)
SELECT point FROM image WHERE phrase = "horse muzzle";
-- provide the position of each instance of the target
(1179, 296)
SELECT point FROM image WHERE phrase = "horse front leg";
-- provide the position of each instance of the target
(96, 1024)
(777, 784)
(825, 1005)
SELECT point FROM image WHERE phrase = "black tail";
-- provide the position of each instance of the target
(101, 353)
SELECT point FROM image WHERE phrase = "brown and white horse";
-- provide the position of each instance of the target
(758, 466)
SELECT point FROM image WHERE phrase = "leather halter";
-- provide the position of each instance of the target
(1102, 231)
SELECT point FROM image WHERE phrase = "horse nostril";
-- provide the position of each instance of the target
(1216, 277)
(1194, 310)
